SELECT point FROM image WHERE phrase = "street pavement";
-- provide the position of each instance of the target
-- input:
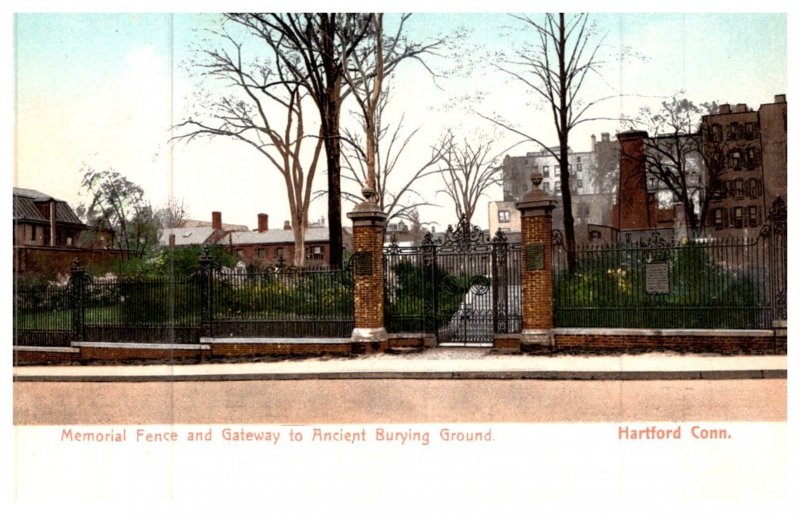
(439, 385)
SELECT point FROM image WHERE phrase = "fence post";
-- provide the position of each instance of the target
(367, 264)
(77, 280)
(500, 282)
(206, 308)
(537, 267)
(778, 262)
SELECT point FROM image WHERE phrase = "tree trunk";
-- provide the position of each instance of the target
(330, 131)
(563, 140)
(298, 228)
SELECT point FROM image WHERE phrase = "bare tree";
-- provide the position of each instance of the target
(394, 189)
(248, 116)
(171, 215)
(469, 169)
(316, 49)
(681, 158)
(556, 68)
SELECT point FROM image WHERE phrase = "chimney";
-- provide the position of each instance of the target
(604, 137)
(780, 99)
(216, 220)
(633, 205)
(263, 223)
(287, 225)
(594, 144)
(724, 109)
(52, 222)
(740, 108)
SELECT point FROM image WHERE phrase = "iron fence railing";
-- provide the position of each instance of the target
(462, 287)
(283, 302)
(654, 283)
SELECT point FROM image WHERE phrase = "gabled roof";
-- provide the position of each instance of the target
(186, 236)
(274, 237)
(28, 201)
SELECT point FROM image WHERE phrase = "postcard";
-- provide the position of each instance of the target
(450, 263)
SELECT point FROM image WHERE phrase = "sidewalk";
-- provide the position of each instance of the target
(439, 363)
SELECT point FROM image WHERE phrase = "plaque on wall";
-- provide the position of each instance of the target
(362, 263)
(534, 257)
(657, 278)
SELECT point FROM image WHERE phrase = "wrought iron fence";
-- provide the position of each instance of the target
(283, 302)
(651, 282)
(42, 314)
(462, 287)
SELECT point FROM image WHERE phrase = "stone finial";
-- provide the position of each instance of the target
(536, 178)
(536, 195)
(369, 194)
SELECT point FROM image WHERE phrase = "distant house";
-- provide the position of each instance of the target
(49, 236)
(260, 247)
(42, 220)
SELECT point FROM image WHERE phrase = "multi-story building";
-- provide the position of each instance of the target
(593, 181)
(751, 164)
(737, 165)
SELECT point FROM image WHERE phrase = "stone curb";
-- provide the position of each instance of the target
(420, 375)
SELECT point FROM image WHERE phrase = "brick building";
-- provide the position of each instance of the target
(260, 247)
(48, 236)
(746, 151)
(593, 181)
(753, 165)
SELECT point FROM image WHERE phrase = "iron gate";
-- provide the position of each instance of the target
(463, 286)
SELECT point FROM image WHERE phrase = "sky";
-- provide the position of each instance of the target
(103, 90)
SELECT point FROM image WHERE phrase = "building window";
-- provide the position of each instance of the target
(752, 216)
(504, 216)
(580, 166)
(719, 218)
(314, 252)
(33, 233)
(578, 159)
(733, 131)
(749, 131)
(594, 235)
(754, 188)
(261, 253)
(558, 187)
(569, 167)
(557, 169)
(753, 158)
(546, 171)
(735, 159)
(715, 133)
(739, 188)
(738, 217)
(279, 254)
(547, 186)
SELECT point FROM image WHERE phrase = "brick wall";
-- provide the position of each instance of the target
(279, 349)
(603, 342)
(53, 261)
